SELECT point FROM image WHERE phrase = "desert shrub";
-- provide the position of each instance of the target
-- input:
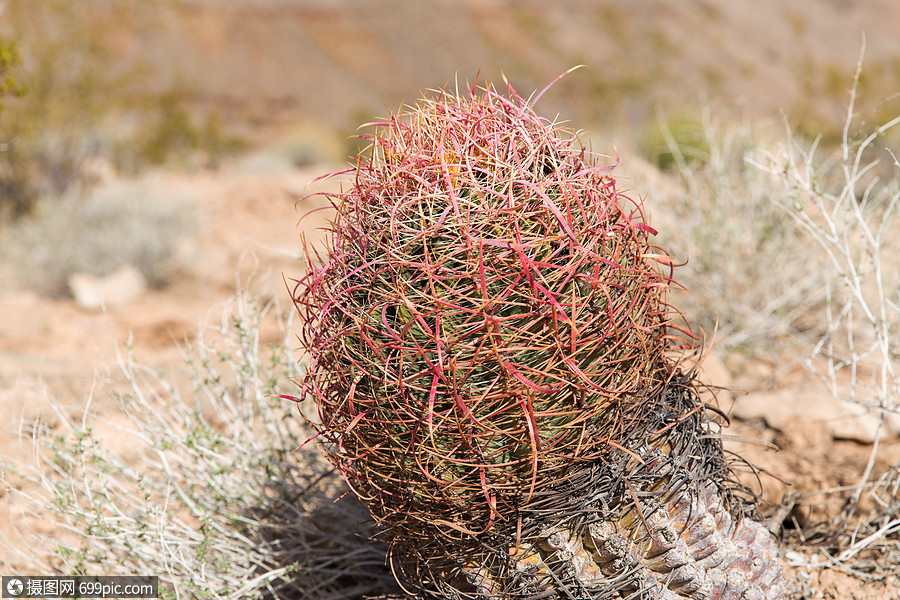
(213, 490)
(9, 58)
(9, 201)
(753, 275)
(87, 98)
(72, 81)
(846, 202)
(170, 133)
(124, 223)
(749, 272)
(819, 109)
(669, 142)
(850, 215)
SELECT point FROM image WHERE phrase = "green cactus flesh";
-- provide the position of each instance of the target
(496, 369)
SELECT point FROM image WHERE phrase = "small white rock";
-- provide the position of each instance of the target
(116, 289)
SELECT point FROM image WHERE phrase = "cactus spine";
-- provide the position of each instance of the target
(495, 365)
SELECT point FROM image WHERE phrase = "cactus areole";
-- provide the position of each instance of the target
(495, 366)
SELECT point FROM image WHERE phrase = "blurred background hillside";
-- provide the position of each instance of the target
(189, 82)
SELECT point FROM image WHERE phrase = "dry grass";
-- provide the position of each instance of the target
(716, 215)
(846, 203)
(204, 486)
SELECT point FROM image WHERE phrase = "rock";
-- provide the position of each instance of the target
(892, 420)
(793, 408)
(113, 290)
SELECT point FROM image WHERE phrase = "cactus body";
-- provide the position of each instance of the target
(491, 352)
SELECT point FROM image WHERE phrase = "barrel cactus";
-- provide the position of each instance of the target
(499, 376)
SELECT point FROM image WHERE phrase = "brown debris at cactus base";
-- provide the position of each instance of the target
(490, 340)
(680, 482)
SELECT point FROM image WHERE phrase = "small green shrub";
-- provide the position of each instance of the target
(10, 201)
(671, 142)
(172, 134)
(9, 58)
